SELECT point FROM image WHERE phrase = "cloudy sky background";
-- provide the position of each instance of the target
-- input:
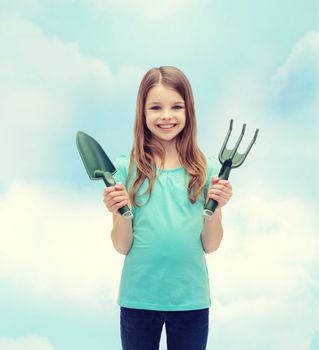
(76, 65)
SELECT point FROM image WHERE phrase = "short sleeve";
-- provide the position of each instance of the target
(213, 167)
(121, 165)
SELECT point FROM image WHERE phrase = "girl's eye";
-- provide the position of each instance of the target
(157, 107)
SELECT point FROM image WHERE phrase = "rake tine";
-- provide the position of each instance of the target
(238, 142)
(224, 149)
(241, 157)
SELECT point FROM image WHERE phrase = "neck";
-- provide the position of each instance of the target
(169, 147)
(171, 155)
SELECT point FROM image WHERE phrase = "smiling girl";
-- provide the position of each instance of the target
(166, 181)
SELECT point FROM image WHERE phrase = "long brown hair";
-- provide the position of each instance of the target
(145, 146)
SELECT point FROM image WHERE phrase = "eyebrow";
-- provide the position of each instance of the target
(155, 102)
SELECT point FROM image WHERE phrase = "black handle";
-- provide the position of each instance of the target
(212, 204)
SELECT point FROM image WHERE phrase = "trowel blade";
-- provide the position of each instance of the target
(93, 156)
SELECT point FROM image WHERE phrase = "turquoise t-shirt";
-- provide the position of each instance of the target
(165, 269)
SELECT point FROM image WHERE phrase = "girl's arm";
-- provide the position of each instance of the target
(212, 233)
(116, 197)
(121, 234)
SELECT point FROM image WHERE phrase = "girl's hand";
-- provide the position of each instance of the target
(116, 197)
(220, 190)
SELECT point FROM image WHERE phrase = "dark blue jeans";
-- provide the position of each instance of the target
(141, 329)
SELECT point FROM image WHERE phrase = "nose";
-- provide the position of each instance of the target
(166, 115)
(166, 118)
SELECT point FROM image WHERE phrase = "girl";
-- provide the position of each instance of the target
(167, 181)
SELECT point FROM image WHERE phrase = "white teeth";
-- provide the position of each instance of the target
(167, 126)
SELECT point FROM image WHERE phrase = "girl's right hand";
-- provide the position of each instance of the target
(116, 197)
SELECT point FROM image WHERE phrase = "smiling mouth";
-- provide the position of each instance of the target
(166, 126)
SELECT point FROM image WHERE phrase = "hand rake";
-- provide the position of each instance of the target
(229, 159)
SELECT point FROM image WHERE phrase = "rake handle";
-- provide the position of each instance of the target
(212, 204)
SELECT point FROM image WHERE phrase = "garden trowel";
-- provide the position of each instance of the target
(98, 164)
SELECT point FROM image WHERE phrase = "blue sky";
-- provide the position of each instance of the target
(76, 65)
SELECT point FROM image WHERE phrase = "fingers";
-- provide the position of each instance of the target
(114, 193)
(116, 206)
(117, 186)
(115, 197)
(216, 180)
(224, 182)
(220, 184)
(217, 194)
(220, 190)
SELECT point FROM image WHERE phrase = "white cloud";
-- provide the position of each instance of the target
(269, 238)
(32, 61)
(44, 84)
(251, 96)
(294, 87)
(57, 242)
(264, 276)
(33, 342)
(285, 154)
(263, 323)
(303, 56)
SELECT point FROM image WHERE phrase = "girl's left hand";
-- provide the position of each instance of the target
(220, 190)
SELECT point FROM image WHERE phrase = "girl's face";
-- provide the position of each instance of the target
(165, 107)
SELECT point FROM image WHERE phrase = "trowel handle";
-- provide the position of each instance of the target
(126, 212)
(109, 181)
(212, 204)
